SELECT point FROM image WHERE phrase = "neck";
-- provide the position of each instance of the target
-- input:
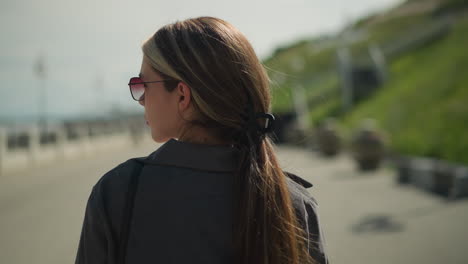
(199, 135)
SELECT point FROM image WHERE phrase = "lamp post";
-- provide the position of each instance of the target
(378, 58)
(40, 70)
(344, 62)
(100, 94)
(299, 96)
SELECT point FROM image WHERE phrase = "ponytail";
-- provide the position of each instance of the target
(266, 229)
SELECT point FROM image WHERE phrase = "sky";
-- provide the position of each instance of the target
(92, 47)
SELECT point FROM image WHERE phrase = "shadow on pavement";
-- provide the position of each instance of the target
(377, 223)
(381, 223)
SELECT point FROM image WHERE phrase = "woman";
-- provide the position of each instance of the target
(217, 193)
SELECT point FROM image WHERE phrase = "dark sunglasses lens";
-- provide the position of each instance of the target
(137, 88)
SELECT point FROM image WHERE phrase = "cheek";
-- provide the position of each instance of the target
(161, 115)
(153, 111)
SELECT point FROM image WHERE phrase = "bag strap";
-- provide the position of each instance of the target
(298, 180)
(128, 210)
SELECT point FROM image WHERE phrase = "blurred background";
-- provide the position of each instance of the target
(370, 98)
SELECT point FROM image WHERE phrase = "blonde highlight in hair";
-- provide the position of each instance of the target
(227, 81)
(152, 52)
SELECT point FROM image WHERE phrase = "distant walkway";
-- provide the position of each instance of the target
(367, 218)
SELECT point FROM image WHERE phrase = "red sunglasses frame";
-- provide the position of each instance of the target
(130, 84)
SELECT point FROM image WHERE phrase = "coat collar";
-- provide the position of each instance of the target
(195, 156)
(202, 157)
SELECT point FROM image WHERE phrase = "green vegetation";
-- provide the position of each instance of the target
(309, 64)
(423, 106)
(450, 6)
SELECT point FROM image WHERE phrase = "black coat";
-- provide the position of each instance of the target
(182, 211)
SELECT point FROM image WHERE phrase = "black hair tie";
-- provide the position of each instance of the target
(254, 127)
(269, 123)
(252, 133)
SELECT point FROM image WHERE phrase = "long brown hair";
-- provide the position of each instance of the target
(228, 84)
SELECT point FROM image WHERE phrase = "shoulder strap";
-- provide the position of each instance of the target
(298, 180)
(128, 210)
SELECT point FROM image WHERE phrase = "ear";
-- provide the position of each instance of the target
(185, 96)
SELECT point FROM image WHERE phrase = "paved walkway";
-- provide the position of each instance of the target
(366, 217)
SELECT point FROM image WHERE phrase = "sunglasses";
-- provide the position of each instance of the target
(137, 87)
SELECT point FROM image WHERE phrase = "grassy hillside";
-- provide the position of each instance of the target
(423, 107)
(312, 63)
